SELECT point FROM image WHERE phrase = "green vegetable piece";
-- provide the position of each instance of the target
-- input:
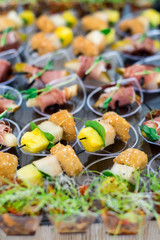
(4, 35)
(8, 95)
(98, 127)
(142, 38)
(108, 173)
(106, 31)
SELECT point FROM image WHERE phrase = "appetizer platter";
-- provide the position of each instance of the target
(93, 159)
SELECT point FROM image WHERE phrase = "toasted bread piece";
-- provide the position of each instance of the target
(69, 161)
(73, 65)
(81, 45)
(132, 157)
(8, 166)
(129, 25)
(45, 24)
(71, 92)
(90, 23)
(65, 119)
(120, 125)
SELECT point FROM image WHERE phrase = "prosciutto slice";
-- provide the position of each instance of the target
(86, 63)
(12, 41)
(5, 103)
(46, 77)
(149, 80)
(155, 123)
(124, 96)
(5, 70)
(52, 97)
(4, 128)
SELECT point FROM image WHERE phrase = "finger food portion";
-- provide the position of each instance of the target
(83, 63)
(7, 138)
(93, 43)
(147, 76)
(60, 126)
(137, 45)
(150, 127)
(48, 24)
(98, 134)
(10, 40)
(8, 167)
(148, 19)
(44, 43)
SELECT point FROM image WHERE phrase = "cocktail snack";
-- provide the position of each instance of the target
(120, 125)
(81, 64)
(48, 24)
(138, 45)
(8, 167)
(65, 120)
(12, 41)
(68, 159)
(7, 138)
(52, 97)
(44, 43)
(132, 157)
(147, 76)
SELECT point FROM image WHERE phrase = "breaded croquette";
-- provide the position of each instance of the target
(120, 125)
(132, 157)
(45, 24)
(8, 167)
(69, 161)
(90, 23)
(65, 120)
(81, 45)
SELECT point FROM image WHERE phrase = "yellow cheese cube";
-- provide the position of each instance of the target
(93, 141)
(34, 141)
(30, 175)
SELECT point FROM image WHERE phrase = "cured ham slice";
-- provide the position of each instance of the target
(55, 96)
(148, 81)
(5, 70)
(124, 96)
(47, 76)
(7, 138)
(12, 41)
(7, 103)
(155, 123)
(83, 63)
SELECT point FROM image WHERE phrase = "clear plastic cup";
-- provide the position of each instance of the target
(15, 130)
(27, 128)
(75, 104)
(154, 164)
(124, 111)
(13, 57)
(18, 97)
(145, 139)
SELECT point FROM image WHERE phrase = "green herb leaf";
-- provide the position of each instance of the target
(33, 92)
(142, 38)
(4, 35)
(25, 21)
(3, 114)
(8, 95)
(48, 135)
(69, 24)
(106, 31)
(33, 125)
(48, 67)
(109, 99)
(157, 69)
(150, 132)
(98, 127)
(95, 63)
(108, 173)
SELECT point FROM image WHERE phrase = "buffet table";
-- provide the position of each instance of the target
(96, 232)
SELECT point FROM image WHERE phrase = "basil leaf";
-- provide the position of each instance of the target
(108, 173)
(33, 125)
(49, 136)
(98, 127)
(151, 133)
(106, 31)
(50, 145)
